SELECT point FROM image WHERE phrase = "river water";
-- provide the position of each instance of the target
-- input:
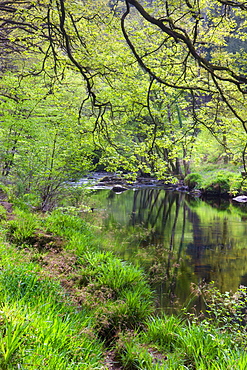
(177, 239)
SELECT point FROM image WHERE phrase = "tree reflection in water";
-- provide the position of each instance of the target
(178, 240)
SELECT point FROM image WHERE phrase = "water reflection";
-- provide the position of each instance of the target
(177, 239)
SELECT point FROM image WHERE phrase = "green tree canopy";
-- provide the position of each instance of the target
(145, 77)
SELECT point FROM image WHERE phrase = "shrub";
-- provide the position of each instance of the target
(222, 182)
(228, 309)
(193, 180)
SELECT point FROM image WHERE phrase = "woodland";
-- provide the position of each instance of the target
(155, 88)
(152, 88)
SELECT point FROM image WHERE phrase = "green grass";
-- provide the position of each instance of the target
(22, 227)
(39, 329)
(78, 233)
(168, 343)
(126, 297)
(109, 306)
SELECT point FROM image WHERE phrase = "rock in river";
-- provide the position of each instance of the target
(119, 188)
(240, 199)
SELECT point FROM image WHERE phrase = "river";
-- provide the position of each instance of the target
(177, 239)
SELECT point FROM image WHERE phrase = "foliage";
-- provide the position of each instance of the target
(169, 343)
(18, 283)
(227, 309)
(163, 332)
(39, 327)
(221, 182)
(65, 224)
(41, 144)
(76, 95)
(193, 180)
(73, 228)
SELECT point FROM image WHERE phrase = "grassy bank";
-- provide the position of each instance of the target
(66, 304)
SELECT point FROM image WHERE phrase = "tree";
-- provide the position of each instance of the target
(187, 51)
(197, 34)
(42, 143)
(141, 118)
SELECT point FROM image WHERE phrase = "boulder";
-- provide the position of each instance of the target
(118, 188)
(240, 199)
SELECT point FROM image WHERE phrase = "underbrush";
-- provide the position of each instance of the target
(216, 178)
(216, 182)
(52, 317)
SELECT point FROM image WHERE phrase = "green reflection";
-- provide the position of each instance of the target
(177, 239)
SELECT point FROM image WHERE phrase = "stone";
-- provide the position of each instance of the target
(119, 188)
(240, 199)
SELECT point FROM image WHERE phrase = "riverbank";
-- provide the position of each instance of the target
(67, 304)
(211, 182)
